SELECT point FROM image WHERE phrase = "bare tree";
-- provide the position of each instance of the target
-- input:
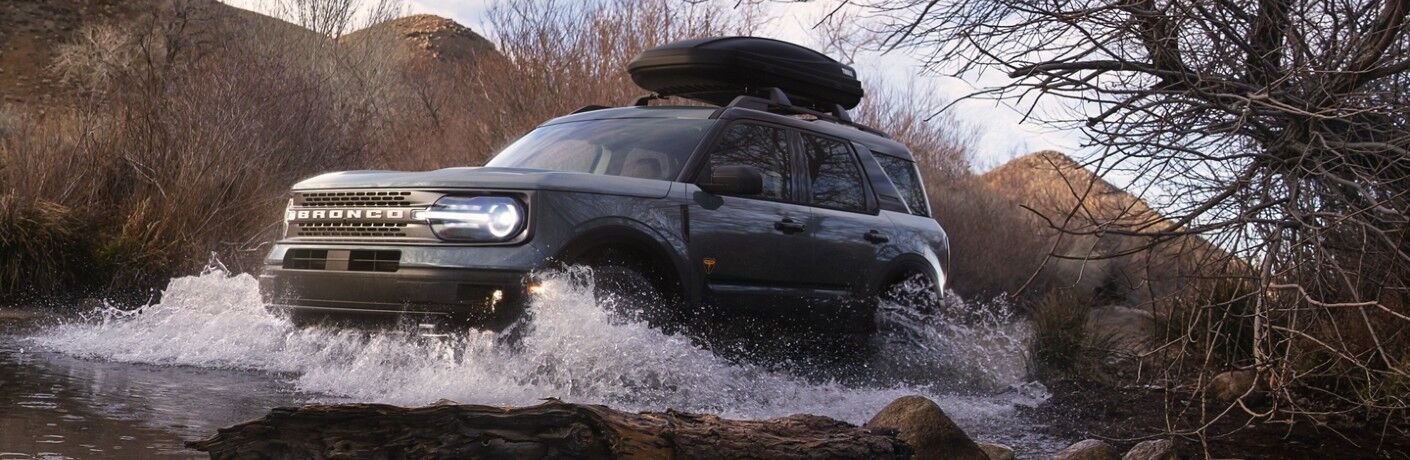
(333, 18)
(1277, 128)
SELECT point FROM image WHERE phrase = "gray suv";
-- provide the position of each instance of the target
(746, 208)
(756, 205)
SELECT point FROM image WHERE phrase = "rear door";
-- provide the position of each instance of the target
(748, 250)
(848, 230)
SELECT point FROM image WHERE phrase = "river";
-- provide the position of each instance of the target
(138, 383)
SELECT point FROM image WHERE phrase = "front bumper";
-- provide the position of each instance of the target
(475, 295)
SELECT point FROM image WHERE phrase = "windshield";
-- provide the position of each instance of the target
(649, 148)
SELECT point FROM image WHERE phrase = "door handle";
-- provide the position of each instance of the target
(876, 237)
(788, 225)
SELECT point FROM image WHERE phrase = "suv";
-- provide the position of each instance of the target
(747, 207)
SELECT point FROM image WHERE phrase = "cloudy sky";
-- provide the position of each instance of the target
(1003, 134)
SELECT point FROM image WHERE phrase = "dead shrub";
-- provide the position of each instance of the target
(1063, 346)
(994, 247)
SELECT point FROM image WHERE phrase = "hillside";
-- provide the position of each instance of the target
(422, 40)
(34, 32)
(1054, 185)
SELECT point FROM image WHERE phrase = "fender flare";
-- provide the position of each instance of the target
(610, 231)
(897, 269)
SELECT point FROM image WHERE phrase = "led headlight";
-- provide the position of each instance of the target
(475, 218)
(288, 216)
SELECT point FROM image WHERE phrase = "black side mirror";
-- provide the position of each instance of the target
(734, 180)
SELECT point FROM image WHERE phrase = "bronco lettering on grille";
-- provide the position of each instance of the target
(341, 214)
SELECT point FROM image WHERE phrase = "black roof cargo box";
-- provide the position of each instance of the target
(717, 69)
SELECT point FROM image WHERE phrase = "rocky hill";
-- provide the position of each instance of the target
(423, 40)
(1056, 190)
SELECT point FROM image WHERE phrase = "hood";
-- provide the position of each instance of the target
(490, 178)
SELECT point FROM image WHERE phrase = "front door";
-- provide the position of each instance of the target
(748, 250)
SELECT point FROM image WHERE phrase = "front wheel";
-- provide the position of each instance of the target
(630, 293)
(915, 292)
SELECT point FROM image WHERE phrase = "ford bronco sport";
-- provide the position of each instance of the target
(768, 203)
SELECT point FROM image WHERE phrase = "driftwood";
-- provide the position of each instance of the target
(553, 429)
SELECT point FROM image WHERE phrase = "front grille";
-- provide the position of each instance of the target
(360, 215)
(349, 229)
(354, 198)
(354, 260)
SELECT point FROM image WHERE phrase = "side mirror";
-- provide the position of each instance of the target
(734, 180)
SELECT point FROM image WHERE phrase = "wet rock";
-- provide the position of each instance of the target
(1229, 386)
(996, 451)
(925, 427)
(1156, 449)
(553, 429)
(1090, 449)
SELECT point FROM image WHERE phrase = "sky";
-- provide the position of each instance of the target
(1002, 132)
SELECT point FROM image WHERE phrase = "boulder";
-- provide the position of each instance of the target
(996, 451)
(1155, 449)
(924, 426)
(1228, 387)
(1090, 449)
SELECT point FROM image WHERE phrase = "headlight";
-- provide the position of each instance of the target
(288, 216)
(477, 218)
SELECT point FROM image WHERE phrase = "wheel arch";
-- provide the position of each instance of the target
(907, 265)
(631, 240)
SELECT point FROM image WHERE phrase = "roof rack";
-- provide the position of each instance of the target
(779, 103)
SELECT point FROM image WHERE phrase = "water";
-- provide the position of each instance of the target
(209, 355)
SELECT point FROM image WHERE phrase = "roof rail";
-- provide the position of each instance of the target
(779, 103)
(589, 108)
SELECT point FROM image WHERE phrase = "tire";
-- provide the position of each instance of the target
(631, 293)
(915, 291)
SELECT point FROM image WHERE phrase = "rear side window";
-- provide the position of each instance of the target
(907, 180)
(834, 173)
(762, 147)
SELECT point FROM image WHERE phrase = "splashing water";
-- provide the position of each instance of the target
(971, 362)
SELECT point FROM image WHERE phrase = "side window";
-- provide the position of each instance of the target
(903, 174)
(763, 147)
(834, 173)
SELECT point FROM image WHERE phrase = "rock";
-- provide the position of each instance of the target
(996, 451)
(1229, 386)
(925, 427)
(1090, 449)
(554, 429)
(1155, 449)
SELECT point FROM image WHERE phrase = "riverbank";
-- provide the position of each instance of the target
(1126, 416)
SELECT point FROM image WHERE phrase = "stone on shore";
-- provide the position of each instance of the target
(996, 451)
(925, 427)
(1090, 449)
(1228, 387)
(1155, 449)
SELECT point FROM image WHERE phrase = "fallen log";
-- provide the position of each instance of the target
(554, 429)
